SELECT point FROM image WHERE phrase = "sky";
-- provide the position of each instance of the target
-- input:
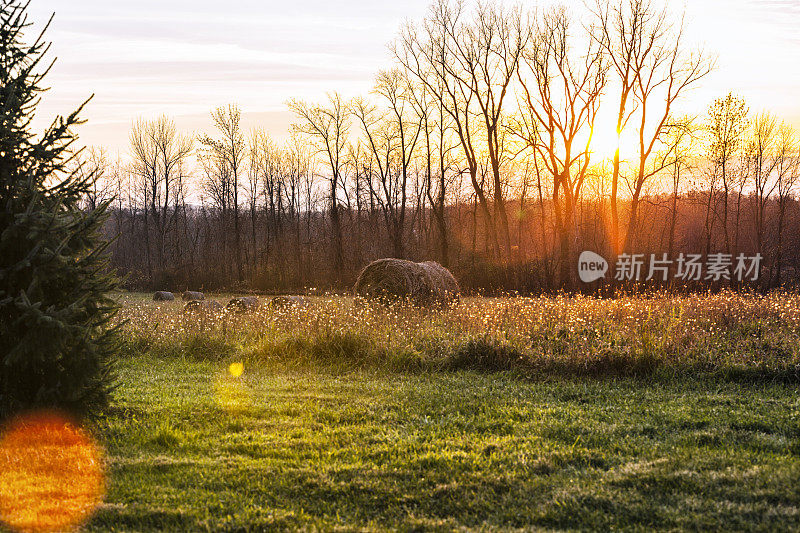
(184, 57)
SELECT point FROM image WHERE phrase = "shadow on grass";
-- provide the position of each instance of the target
(338, 351)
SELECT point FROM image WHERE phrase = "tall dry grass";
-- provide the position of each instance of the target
(741, 336)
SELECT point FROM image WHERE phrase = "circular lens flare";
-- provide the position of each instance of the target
(236, 369)
(51, 474)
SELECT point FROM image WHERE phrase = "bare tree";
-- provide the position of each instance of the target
(391, 135)
(653, 70)
(560, 102)
(449, 58)
(92, 166)
(217, 185)
(438, 145)
(328, 127)
(726, 127)
(486, 54)
(681, 141)
(231, 149)
(762, 161)
(159, 155)
(257, 154)
(788, 174)
(298, 177)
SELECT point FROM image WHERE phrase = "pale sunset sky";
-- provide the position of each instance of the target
(184, 57)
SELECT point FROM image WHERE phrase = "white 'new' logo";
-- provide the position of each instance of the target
(591, 267)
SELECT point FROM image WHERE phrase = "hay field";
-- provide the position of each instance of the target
(744, 337)
(499, 414)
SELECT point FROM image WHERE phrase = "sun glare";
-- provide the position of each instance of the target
(605, 141)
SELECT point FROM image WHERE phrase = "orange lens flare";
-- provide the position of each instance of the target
(51, 474)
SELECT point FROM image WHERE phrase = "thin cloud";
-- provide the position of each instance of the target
(183, 57)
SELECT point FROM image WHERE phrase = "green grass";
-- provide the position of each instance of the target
(191, 448)
(567, 413)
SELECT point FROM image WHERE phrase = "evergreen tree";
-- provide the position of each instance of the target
(56, 343)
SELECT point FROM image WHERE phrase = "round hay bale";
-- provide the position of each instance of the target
(163, 296)
(243, 304)
(422, 284)
(287, 302)
(443, 280)
(191, 296)
(207, 306)
(213, 305)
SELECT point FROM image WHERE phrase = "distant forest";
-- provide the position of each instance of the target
(480, 149)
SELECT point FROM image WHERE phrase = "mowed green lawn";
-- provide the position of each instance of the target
(191, 447)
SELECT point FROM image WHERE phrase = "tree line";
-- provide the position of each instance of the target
(477, 148)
